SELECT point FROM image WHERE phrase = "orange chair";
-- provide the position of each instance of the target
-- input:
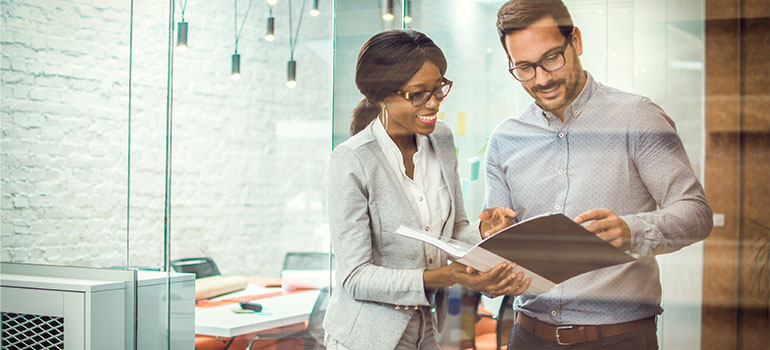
(485, 336)
(492, 331)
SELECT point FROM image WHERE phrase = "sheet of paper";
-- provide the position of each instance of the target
(452, 249)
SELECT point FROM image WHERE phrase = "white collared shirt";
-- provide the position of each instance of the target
(427, 192)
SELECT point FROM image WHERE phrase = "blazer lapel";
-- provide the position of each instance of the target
(379, 155)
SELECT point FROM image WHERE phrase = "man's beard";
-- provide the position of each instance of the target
(570, 90)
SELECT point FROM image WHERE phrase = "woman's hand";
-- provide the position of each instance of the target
(495, 219)
(499, 281)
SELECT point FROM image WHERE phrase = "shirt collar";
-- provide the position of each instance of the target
(390, 148)
(576, 107)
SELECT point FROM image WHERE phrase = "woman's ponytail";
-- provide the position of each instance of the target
(363, 114)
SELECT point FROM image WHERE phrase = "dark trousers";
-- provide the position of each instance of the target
(644, 339)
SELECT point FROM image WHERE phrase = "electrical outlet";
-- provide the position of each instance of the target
(719, 220)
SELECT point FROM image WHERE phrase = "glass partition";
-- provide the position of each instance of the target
(251, 126)
(148, 150)
(66, 71)
(354, 23)
(249, 155)
(65, 75)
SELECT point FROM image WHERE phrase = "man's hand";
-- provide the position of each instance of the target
(499, 281)
(607, 226)
(495, 219)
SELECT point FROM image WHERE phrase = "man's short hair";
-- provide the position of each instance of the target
(519, 14)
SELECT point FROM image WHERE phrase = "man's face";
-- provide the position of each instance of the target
(552, 91)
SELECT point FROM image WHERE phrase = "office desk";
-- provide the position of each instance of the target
(277, 311)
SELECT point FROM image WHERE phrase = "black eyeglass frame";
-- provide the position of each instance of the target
(539, 63)
(409, 95)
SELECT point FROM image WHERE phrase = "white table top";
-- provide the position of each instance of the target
(276, 312)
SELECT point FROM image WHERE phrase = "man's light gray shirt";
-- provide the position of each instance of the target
(614, 150)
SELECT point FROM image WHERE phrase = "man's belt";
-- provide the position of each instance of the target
(565, 335)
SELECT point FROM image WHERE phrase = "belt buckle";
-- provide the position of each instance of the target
(558, 337)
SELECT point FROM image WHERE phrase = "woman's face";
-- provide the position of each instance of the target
(405, 119)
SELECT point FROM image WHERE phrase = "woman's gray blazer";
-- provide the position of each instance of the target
(376, 270)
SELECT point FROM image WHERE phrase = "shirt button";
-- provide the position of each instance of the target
(553, 312)
(561, 134)
(427, 228)
(560, 172)
(419, 198)
(430, 261)
(557, 207)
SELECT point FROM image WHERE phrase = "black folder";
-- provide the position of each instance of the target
(554, 247)
(548, 249)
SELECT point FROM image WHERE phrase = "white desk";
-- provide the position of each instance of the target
(276, 312)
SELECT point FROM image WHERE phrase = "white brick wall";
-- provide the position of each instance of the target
(246, 187)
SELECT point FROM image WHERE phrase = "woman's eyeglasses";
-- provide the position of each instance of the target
(420, 98)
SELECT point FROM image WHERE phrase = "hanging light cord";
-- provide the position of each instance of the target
(184, 7)
(235, 22)
(293, 42)
(379, 13)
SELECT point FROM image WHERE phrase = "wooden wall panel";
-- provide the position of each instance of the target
(753, 316)
(720, 253)
(735, 314)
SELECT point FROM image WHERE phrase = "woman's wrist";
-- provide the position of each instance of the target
(439, 277)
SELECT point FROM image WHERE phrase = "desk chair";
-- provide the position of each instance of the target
(305, 270)
(504, 322)
(306, 261)
(201, 267)
(314, 334)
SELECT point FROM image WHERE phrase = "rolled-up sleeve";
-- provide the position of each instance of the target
(683, 215)
(497, 191)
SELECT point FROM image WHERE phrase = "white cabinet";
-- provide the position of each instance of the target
(74, 308)
(62, 313)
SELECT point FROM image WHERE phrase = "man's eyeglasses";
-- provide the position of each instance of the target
(550, 63)
(420, 98)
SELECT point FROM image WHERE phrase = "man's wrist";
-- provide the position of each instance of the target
(634, 226)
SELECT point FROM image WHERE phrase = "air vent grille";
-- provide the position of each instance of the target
(27, 331)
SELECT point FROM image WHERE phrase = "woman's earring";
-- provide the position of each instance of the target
(384, 116)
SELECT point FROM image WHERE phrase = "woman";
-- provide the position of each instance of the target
(399, 168)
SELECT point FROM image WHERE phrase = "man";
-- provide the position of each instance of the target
(609, 159)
